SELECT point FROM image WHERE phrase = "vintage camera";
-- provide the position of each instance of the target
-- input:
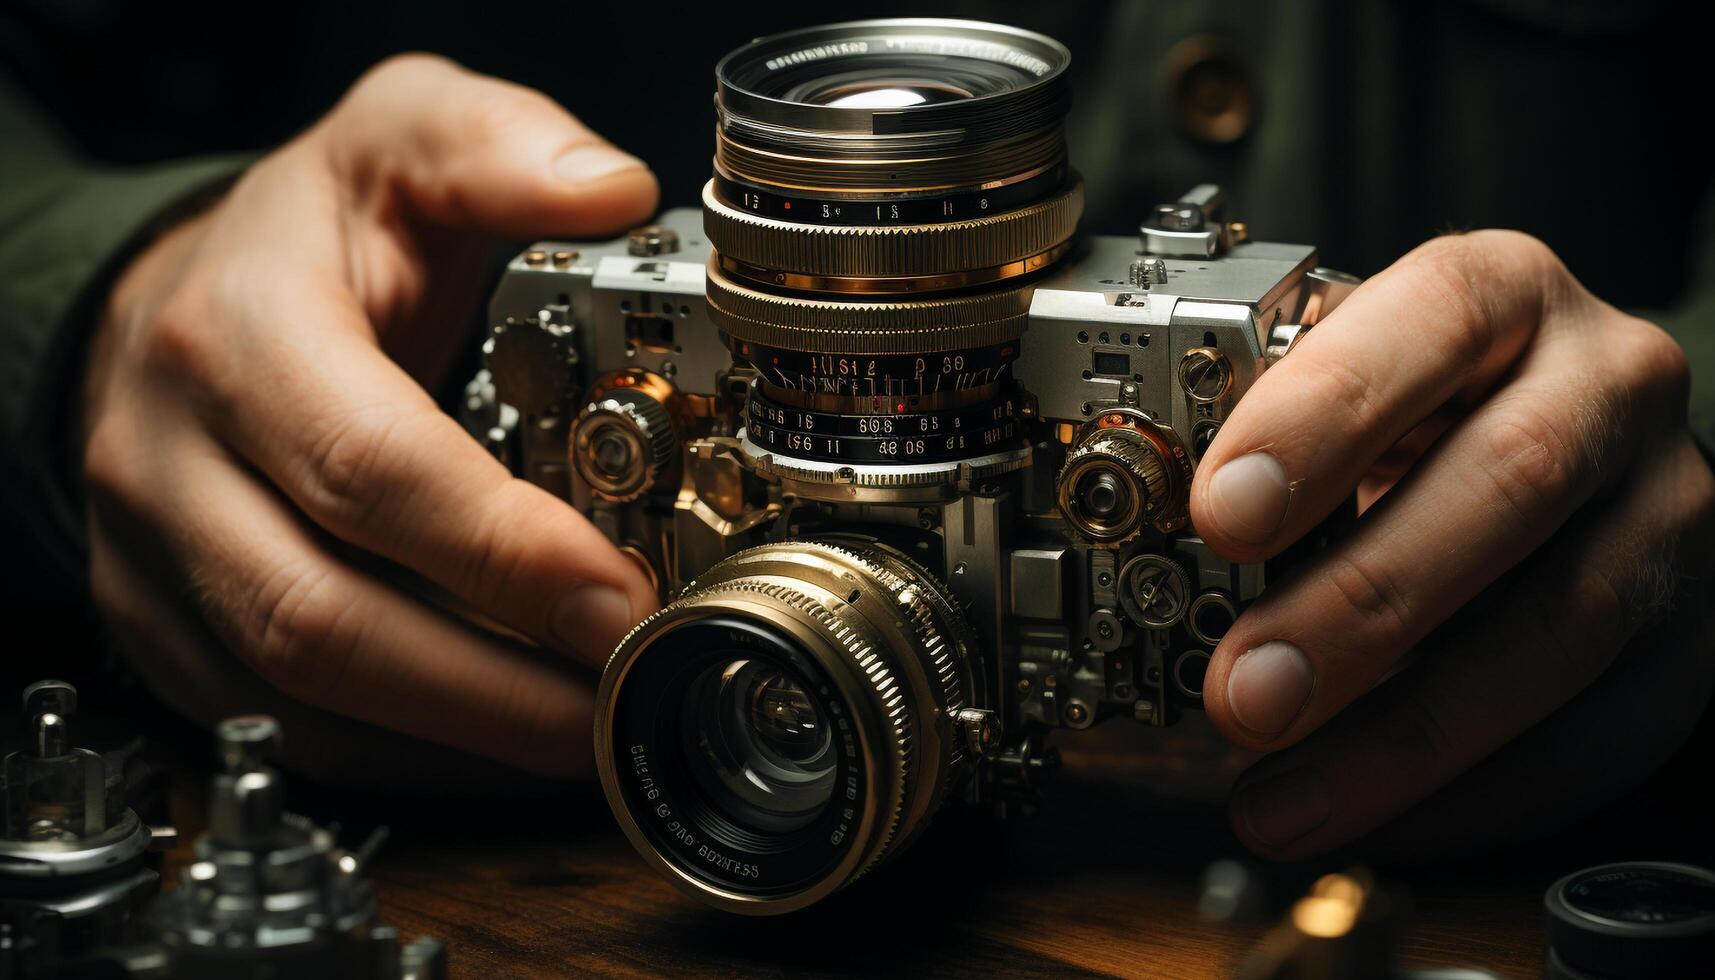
(908, 458)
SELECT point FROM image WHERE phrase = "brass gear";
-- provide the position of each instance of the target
(1137, 484)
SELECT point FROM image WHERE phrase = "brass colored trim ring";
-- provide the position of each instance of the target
(940, 323)
(894, 286)
(896, 251)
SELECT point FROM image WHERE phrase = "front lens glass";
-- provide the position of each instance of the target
(897, 82)
(758, 744)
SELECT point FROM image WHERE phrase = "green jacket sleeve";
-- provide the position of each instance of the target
(67, 225)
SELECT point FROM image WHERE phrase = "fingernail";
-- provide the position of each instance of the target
(1268, 686)
(591, 617)
(587, 163)
(1280, 809)
(1249, 496)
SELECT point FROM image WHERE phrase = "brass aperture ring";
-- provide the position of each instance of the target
(892, 259)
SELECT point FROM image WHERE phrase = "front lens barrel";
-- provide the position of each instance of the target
(786, 724)
(888, 109)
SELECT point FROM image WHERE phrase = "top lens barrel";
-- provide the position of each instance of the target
(883, 191)
(891, 157)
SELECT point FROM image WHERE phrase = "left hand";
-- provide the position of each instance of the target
(1517, 623)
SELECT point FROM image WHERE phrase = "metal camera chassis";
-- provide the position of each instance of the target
(1141, 344)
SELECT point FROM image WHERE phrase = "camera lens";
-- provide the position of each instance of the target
(922, 120)
(1102, 493)
(787, 723)
(883, 193)
(760, 746)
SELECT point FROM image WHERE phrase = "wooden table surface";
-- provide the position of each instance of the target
(1103, 880)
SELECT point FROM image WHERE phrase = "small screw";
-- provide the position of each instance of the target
(564, 258)
(652, 240)
(1204, 373)
(1076, 713)
(1104, 629)
(1105, 579)
(535, 257)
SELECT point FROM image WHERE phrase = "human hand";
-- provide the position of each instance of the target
(1517, 623)
(262, 458)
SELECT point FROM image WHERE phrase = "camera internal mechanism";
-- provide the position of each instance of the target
(911, 460)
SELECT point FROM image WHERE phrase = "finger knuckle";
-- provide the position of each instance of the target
(492, 110)
(1656, 365)
(179, 343)
(493, 567)
(406, 70)
(1536, 465)
(108, 470)
(1371, 594)
(299, 628)
(1449, 271)
(350, 475)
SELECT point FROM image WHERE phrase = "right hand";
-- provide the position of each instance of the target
(262, 458)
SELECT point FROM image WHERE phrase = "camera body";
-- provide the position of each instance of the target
(909, 460)
(1080, 606)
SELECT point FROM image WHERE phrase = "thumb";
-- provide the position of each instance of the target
(472, 152)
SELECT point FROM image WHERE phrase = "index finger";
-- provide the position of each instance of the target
(366, 454)
(1446, 320)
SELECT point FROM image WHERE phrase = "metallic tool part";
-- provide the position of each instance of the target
(1189, 228)
(1205, 374)
(1123, 474)
(1154, 591)
(1146, 272)
(651, 240)
(270, 895)
(74, 868)
(1211, 614)
(537, 357)
(622, 443)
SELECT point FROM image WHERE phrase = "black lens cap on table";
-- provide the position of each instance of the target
(1633, 919)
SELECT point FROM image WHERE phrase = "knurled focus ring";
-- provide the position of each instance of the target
(921, 325)
(893, 251)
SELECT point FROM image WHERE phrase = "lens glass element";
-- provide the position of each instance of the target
(758, 744)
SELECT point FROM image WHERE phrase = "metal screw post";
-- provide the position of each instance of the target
(248, 742)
